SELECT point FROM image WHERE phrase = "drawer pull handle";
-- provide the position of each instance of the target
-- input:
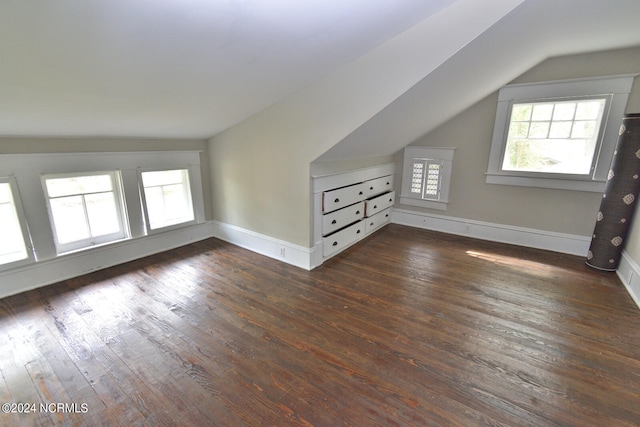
(358, 213)
(358, 232)
(391, 200)
(371, 224)
(386, 216)
(360, 193)
(375, 206)
(336, 200)
(370, 188)
(335, 243)
(334, 221)
(387, 183)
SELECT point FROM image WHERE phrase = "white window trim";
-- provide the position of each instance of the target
(143, 200)
(91, 242)
(26, 235)
(444, 155)
(618, 87)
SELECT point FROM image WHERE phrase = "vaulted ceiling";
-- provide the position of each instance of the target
(193, 68)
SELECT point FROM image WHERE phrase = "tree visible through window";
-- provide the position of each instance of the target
(554, 137)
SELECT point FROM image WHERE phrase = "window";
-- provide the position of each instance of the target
(426, 176)
(554, 137)
(12, 243)
(85, 210)
(167, 198)
(557, 134)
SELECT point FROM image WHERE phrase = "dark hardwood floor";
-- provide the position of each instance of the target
(409, 327)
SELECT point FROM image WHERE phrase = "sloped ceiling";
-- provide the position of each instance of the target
(193, 68)
(535, 31)
(175, 68)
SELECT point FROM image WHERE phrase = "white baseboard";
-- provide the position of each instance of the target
(629, 273)
(281, 250)
(540, 239)
(64, 267)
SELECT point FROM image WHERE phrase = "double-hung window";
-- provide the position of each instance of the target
(166, 198)
(426, 176)
(557, 134)
(85, 209)
(13, 231)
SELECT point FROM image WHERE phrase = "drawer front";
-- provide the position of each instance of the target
(378, 186)
(380, 203)
(343, 238)
(345, 196)
(336, 220)
(377, 221)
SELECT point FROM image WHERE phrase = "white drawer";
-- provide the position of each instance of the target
(380, 203)
(378, 186)
(337, 219)
(343, 238)
(376, 221)
(345, 196)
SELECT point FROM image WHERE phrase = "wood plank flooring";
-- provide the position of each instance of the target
(408, 328)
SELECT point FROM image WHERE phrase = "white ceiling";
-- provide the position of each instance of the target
(175, 68)
(533, 32)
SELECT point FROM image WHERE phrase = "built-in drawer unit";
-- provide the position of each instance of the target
(348, 206)
(376, 221)
(377, 186)
(343, 238)
(341, 197)
(342, 217)
(379, 203)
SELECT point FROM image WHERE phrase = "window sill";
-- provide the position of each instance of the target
(440, 205)
(556, 184)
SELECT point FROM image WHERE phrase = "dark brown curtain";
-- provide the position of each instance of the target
(619, 199)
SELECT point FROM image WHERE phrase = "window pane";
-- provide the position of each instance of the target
(5, 193)
(519, 130)
(57, 187)
(542, 112)
(553, 140)
(177, 206)
(69, 219)
(584, 129)
(416, 177)
(155, 206)
(433, 181)
(521, 112)
(589, 109)
(564, 111)
(560, 130)
(152, 179)
(103, 214)
(12, 247)
(168, 198)
(539, 130)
